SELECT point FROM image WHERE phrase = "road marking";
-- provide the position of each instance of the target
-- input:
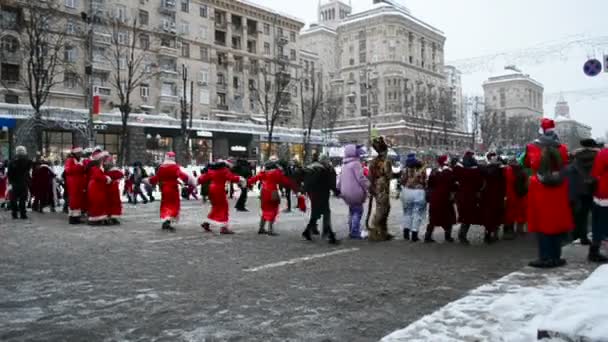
(174, 239)
(301, 259)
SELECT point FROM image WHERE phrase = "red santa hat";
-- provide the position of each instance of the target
(77, 149)
(547, 125)
(442, 160)
(170, 156)
(469, 154)
(99, 155)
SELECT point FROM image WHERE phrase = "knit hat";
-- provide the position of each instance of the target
(442, 160)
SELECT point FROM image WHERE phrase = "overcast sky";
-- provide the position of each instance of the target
(480, 27)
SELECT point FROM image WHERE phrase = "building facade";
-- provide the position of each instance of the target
(388, 67)
(570, 131)
(514, 95)
(225, 47)
(454, 80)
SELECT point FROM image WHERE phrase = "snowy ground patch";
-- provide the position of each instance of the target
(510, 309)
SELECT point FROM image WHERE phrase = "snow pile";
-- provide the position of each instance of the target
(583, 314)
(509, 309)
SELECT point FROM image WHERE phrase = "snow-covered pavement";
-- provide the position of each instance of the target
(510, 309)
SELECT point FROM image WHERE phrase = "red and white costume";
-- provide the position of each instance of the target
(113, 198)
(218, 175)
(76, 182)
(168, 175)
(97, 189)
(3, 184)
(270, 183)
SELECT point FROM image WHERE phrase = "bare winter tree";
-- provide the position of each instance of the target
(519, 130)
(489, 124)
(445, 108)
(311, 104)
(273, 95)
(128, 57)
(40, 61)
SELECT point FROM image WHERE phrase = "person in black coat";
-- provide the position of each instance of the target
(582, 187)
(242, 169)
(19, 178)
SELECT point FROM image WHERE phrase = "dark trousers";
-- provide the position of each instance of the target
(581, 219)
(231, 190)
(599, 223)
(137, 192)
(318, 210)
(242, 201)
(549, 246)
(18, 202)
(288, 196)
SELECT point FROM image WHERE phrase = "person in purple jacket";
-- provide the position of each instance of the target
(353, 186)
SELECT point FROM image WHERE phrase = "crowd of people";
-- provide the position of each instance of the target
(547, 189)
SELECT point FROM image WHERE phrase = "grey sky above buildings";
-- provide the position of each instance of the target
(480, 27)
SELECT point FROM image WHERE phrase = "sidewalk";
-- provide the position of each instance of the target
(509, 309)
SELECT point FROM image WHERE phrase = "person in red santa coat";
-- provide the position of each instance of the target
(168, 176)
(218, 175)
(272, 177)
(113, 198)
(3, 185)
(468, 176)
(599, 224)
(549, 213)
(516, 180)
(76, 183)
(492, 201)
(97, 190)
(441, 185)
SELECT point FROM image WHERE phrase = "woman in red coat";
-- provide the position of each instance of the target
(168, 175)
(516, 205)
(468, 176)
(549, 213)
(97, 190)
(76, 184)
(218, 175)
(272, 177)
(441, 185)
(113, 198)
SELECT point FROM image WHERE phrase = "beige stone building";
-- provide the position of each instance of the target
(569, 130)
(389, 67)
(224, 45)
(514, 95)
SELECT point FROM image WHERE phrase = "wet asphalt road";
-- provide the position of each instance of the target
(136, 283)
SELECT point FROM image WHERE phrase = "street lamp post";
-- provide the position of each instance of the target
(89, 19)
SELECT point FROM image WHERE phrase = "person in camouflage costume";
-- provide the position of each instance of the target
(380, 174)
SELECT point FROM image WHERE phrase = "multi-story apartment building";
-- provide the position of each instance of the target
(454, 79)
(225, 47)
(569, 130)
(389, 67)
(514, 95)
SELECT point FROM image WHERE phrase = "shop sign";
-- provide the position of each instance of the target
(83, 127)
(238, 148)
(204, 134)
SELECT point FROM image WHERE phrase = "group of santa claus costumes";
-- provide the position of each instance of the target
(93, 188)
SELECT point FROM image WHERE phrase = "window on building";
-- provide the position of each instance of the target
(280, 32)
(70, 54)
(204, 96)
(292, 54)
(267, 29)
(186, 50)
(236, 83)
(144, 17)
(10, 72)
(204, 51)
(184, 27)
(292, 37)
(203, 32)
(204, 76)
(144, 41)
(122, 37)
(9, 44)
(109, 142)
(221, 99)
(220, 79)
(144, 91)
(185, 6)
(71, 3)
(267, 48)
(11, 98)
(120, 12)
(71, 27)
(70, 80)
(204, 11)
(168, 89)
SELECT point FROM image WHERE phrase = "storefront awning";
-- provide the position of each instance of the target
(8, 122)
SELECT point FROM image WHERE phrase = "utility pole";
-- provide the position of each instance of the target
(184, 113)
(368, 88)
(89, 19)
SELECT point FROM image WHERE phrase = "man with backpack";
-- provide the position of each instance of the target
(549, 213)
(581, 188)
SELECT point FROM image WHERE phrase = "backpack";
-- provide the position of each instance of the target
(549, 173)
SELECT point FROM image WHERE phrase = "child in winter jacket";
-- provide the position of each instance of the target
(353, 186)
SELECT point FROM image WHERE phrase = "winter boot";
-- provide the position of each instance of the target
(114, 222)
(167, 226)
(332, 238)
(541, 263)
(315, 230)
(406, 234)
(508, 232)
(415, 237)
(595, 255)
(462, 235)
(271, 231)
(448, 236)
(307, 235)
(428, 237)
(226, 231)
(585, 241)
(75, 220)
(206, 227)
(262, 230)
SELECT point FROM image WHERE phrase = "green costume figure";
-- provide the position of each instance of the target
(380, 174)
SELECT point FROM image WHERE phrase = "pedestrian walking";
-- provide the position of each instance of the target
(75, 184)
(271, 178)
(516, 180)
(218, 175)
(168, 176)
(242, 169)
(470, 182)
(19, 179)
(139, 174)
(380, 175)
(97, 190)
(581, 188)
(413, 197)
(319, 181)
(549, 213)
(492, 197)
(599, 226)
(441, 187)
(353, 186)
